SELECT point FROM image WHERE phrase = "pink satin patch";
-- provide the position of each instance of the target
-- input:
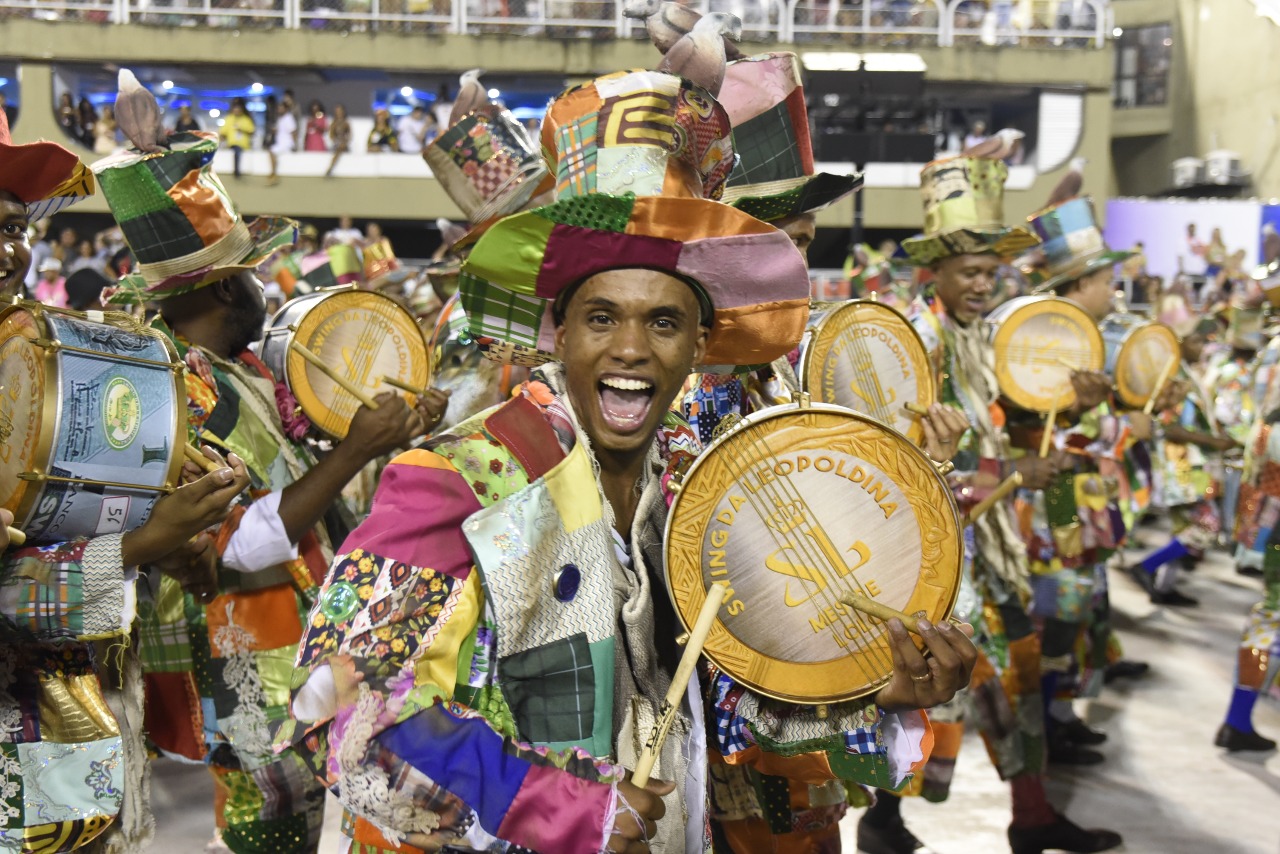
(538, 817)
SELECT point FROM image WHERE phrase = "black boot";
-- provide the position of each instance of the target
(1063, 751)
(1237, 739)
(1174, 599)
(1077, 731)
(1125, 669)
(1062, 835)
(893, 838)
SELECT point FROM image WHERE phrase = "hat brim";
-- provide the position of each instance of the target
(270, 235)
(1081, 269)
(33, 171)
(1007, 242)
(813, 194)
(755, 278)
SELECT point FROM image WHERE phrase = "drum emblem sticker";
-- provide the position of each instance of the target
(121, 413)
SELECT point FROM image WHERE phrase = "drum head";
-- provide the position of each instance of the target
(1142, 358)
(869, 358)
(1038, 342)
(362, 334)
(23, 441)
(793, 508)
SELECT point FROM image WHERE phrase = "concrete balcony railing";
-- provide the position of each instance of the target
(944, 23)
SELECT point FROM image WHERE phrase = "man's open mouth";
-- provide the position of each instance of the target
(625, 402)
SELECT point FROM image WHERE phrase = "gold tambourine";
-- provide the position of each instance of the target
(866, 356)
(1138, 351)
(1038, 341)
(364, 336)
(794, 507)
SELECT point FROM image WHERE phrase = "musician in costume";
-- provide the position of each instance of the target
(69, 690)
(1258, 549)
(963, 244)
(489, 650)
(217, 671)
(775, 181)
(1073, 525)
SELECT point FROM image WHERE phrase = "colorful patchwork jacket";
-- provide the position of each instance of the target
(511, 663)
(62, 766)
(216, 674)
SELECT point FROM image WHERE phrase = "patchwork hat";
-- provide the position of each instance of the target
(638, 157)
(774, 178)
(299, 274)
(43, 175)
(487, 162)
(179, 221)
(1072, 244)
(964, 212)
(381, 266)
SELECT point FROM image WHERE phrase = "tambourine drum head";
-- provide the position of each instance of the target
(22, 372)
(1038, 341)
(791, 509)
(364, 336)
(867, 357)
(1136, 356)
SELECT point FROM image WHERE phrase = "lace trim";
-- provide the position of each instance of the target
(365, 788)
(10, 724)
(246, 727)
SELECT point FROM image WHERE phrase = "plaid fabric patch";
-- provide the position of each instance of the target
(576, 165)
(161, 235)
(499, 313)
(493, 174)
(862, 742)
(767, 149)
(173, 166)
(551, 690)
(731, 730)
(163, 647)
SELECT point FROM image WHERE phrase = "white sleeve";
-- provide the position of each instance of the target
(260, 542)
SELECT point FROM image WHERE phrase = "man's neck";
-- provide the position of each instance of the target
(620, 480)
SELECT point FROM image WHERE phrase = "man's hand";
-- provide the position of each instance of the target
(1038, 472)
(194, 565)
(1140, 426)
(377, 432)
(1091, 387)
(1172, 395)
(432, 406)
(943, 426)
(185, 512)
(920, 683)
(630, 836)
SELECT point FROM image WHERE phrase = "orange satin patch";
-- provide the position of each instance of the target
(698, 219)
(270, 615)
(203, 208)
(422, 458)
(363, 833)
(947, 738)
(756, 334)
(810, 768)
(927, 744)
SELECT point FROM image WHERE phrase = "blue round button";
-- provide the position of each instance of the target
(566, 583)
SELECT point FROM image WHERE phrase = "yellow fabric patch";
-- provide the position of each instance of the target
(439, 663)
(577, 507)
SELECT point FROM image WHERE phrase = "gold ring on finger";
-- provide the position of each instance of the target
(925, 678)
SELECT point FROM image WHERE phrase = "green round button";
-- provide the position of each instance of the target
(340, 602)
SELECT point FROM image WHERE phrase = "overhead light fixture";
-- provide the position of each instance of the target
(255, 88)
(831, 99)
(213, 114)
(494, 93)
(843, 61)
(406, 91)
(168, 84)
(1117, 32)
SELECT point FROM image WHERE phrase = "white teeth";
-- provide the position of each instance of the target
(626, 384)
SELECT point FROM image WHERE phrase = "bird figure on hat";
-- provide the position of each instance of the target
(668, 22)
(471, 96)
(138, 115)
(699, 55)
(1070, 185)
(998, 146)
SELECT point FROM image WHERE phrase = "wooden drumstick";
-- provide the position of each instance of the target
(1159, 386)
(344, 383)
(1047, 439)
(1067, 365)
(679, 683)
(916, 409)
(199, 459)
(16, 537)
(879, 610)
(413, 390)
(1009, 484)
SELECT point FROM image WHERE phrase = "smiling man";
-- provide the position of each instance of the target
(491, 648)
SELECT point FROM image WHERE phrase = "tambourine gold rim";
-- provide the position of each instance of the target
(839, 317)
(1019, 312)
(708, 481)
(299, 373)
(1136, 339)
